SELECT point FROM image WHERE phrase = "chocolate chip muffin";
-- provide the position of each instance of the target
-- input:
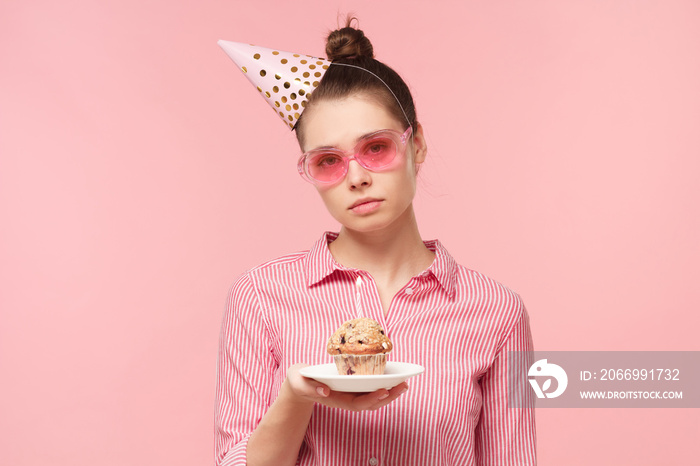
(360, 347)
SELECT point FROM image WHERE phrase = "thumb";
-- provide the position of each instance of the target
(313, 389)
(305, 386)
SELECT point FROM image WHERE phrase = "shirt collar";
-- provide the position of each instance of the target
(320, 263)
(319, 260)
(443, 268)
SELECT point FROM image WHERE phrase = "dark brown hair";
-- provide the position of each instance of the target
(350, 46)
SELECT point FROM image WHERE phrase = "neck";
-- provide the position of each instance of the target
(389, 254)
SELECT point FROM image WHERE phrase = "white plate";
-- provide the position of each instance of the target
(394, 374)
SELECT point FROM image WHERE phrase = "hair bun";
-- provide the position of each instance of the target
(348, 42)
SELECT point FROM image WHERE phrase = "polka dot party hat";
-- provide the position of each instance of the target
(284, 79)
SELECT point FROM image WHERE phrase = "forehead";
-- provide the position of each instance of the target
(341, 122)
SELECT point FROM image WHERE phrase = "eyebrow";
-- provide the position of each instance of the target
(364, 136)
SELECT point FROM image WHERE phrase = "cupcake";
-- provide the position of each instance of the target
(359, 347)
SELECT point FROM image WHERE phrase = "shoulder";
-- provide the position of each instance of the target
(496, 301)
(248, 290)
(500, 309)
(271, 270)
(467, 284)
(475, 282)
(286, 261)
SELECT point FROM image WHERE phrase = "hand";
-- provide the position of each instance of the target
(302, 389)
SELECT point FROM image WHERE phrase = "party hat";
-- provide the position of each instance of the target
(285, 79)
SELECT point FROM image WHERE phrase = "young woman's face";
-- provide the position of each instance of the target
(384, 198)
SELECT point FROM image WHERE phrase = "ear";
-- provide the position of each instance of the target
(420, 147)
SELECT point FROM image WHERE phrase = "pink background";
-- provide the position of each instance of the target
(563, 161)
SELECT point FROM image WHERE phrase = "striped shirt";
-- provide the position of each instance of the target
(453, 321)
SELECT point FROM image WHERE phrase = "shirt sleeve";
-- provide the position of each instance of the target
(505, 434)
(245, 370)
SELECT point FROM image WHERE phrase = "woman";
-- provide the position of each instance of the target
(455, 322)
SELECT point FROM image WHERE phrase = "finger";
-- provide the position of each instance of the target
(354, 401)
(390, 396)
(370, 400)
(310, 388)
(363, 401)
(400, 388)
(383, 394)
(304, 386)
(322, 390)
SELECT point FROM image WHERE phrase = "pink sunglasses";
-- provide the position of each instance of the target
(374, 152)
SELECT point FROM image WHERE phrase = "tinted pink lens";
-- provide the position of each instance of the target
(377, 152)
(325, 166)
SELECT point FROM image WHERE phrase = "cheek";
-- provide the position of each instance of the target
(408, 186)
(401, 187)
(408, 177)
(330, 198)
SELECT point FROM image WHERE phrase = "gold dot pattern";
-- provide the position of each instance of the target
(284, 79)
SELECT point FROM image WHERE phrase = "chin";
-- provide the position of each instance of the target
(365, 225)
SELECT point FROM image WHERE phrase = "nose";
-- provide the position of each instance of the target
(357, 176)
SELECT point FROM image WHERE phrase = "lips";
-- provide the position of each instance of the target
(364, 201)
(366, 206)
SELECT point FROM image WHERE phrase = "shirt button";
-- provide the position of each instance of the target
(373, 461)
(408, 291)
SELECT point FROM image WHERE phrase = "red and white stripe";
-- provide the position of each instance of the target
(455, 322)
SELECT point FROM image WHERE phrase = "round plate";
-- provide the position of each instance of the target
(394, 374)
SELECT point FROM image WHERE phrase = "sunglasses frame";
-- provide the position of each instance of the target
(399, 139)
